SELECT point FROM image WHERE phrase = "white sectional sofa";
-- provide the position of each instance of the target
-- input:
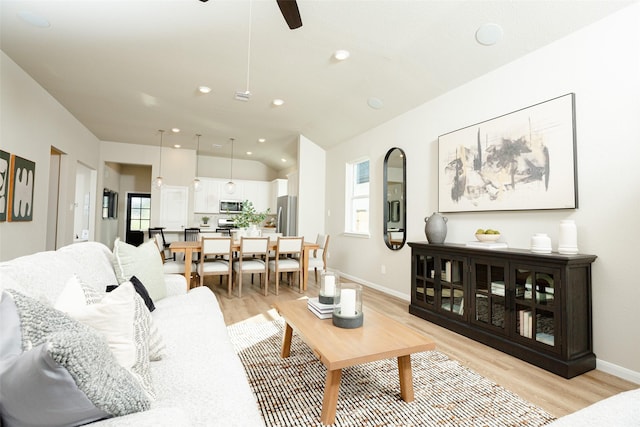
(198, 381)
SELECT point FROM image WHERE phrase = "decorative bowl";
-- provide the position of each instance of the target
(487, 237)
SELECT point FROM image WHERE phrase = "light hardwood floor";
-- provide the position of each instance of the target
(555, 394)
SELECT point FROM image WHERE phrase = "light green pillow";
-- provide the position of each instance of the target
(142, 261)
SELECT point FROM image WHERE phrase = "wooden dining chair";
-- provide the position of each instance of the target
(318, 258)
(169, 265)
(288, 259)
(252, 259)
(213, 262)
(192, 234)
(158, 231)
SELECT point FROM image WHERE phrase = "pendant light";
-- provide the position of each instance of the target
(157, 183)
(230, 186)
(196, 180)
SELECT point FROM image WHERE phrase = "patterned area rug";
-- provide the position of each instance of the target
(289, 391)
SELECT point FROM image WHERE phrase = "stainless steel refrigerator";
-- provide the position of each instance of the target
(287, 213)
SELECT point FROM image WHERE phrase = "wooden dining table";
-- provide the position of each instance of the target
(191, 247)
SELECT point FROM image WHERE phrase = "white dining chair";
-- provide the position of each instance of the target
(288, 259)
(215, 259)
(318, 258)
(252, 259)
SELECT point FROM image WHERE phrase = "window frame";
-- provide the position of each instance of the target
(350, 213)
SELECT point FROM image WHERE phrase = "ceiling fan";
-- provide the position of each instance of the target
(290, 12)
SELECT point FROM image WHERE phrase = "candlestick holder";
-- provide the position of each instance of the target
(347, 306)
(328, 283)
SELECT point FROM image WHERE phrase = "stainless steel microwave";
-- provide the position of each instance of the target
(232, 206)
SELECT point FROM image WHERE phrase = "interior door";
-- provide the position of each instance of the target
(138, 217)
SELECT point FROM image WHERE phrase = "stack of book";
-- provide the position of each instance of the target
(323, 311)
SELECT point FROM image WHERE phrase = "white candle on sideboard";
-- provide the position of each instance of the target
(348, 302)
(329, 286)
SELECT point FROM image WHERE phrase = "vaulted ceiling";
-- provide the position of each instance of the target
(126, 69)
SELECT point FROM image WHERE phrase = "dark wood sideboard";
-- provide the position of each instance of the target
(536, 307)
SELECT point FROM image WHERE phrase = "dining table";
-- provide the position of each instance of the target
(191, 247)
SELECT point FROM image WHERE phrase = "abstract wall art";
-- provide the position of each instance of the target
(523, 160)
(21, 186)
(5, 159)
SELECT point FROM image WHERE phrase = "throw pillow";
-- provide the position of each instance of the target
(141, 290)
(10, 337)
(122, 318)
(142, 261)
(76, 296)
(66, 375)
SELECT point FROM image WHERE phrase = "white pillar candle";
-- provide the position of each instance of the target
(329, 286)
(348, 302)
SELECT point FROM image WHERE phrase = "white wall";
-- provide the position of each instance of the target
(601, 65)
(311, 212)
(32, 121)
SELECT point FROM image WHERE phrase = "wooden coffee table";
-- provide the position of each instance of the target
(379, 338)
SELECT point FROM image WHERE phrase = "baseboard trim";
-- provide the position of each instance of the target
(616, 370)
(601, 365)
(402, 296)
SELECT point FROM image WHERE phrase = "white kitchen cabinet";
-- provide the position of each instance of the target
(257, 192)
(278, 187)
(207, 199)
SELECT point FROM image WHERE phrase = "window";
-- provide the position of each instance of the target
(357, 193)
(139, 212)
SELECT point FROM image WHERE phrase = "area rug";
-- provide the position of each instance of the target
(289, 391)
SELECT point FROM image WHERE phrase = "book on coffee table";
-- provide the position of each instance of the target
(323, 311)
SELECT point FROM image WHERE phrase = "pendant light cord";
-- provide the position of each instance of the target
(197, 149)
(161, 133)
(231, 175)
(249, 45)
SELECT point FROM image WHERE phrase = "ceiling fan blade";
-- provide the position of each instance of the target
(290, 12)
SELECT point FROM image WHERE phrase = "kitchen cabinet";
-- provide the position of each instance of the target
(278, 187)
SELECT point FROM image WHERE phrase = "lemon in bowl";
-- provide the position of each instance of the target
(487, 235)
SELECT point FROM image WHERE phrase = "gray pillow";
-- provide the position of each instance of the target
(73, 378)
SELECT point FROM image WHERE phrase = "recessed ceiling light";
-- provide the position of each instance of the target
(249, 153)
(489, 34)
(33, 19)
(283, 160)
(204, 89)
(177, 145)
(175, 130)
(262, 140)
(216, 145)
(375, 103)
(277, 102)
(341, 54)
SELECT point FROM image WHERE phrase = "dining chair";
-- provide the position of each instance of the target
(251, 259)
(318, 259)
(171, 266)
(158, 231)
(192, 234)
(288, 259)
(216, 248)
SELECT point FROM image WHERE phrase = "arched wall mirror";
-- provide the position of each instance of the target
(395, 198)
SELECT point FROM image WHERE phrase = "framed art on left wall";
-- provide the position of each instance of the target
(5, 159)
(22, 174)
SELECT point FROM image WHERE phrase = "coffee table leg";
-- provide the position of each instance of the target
(406, 378)
(286, 341)
(330, 400)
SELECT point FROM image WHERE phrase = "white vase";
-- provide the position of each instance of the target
(568, 240)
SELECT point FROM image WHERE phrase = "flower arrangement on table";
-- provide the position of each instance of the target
(249, 216)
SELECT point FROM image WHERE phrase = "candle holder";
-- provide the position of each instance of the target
(347, 308)
(328, 283)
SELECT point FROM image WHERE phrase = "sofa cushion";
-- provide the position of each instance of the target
(142, 261)
(123, 320)
(66, 374)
